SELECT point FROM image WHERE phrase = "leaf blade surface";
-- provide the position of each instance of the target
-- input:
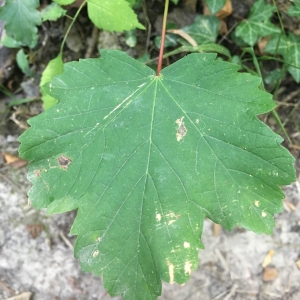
(146, 158)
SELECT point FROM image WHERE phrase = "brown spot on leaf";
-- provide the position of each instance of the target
(64, 162)
(37, 173)
(181, 130)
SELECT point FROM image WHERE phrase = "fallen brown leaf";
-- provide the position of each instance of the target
(223, 28)
(221, 14)
(13, 161)
(216, 229)
(23, 296)
(34, 229)
(268, 258)
(269, 274)
(184, 35)
(298, 263)
(262, 43)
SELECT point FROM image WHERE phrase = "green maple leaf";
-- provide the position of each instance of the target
(257, 24)
(146, 158)
(54, 67)
(215, 5)
(289, 47)
(52, 12)
(131, 2)
(21, 19)
(113, 15)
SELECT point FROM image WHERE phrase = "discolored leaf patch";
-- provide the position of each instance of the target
(64, 162)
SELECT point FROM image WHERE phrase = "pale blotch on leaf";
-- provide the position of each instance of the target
(37, 173)
(64, 162)
(263, 214)
(171, 272)
(158, 217)
(186, 245)
(95, 253)
(181, 130)
(187, 268)
(256, 203)
(172, 217)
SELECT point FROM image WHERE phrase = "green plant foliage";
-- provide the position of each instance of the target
(23, 63)
(116, 15)
(52, 12)
(21, 19)
(171, 40)
(146, 158)
(131, 2)
(294, 9)
(257, 24)
(130, 38)
(204, 29)
(9, 42)
(273, 77)
(203, 48)
(215, 5)
(54, 67)
(289, 47)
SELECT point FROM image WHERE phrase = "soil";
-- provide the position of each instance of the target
(36, 250)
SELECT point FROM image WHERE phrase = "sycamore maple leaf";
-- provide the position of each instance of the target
(146, 158)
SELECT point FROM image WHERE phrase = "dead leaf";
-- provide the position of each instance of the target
(23, 296)
(289, 206)
(298, 263)
(225, 11)
(268, 258)
(34, 229)
(223, 28)
(269, 274)
(262, 43)
(13, 161)
(221, 14)
(184, 35)
(216, 229)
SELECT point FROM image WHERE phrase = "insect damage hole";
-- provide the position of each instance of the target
(64, 162)
(181, 130)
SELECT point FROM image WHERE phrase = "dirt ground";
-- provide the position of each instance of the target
(36, 250)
